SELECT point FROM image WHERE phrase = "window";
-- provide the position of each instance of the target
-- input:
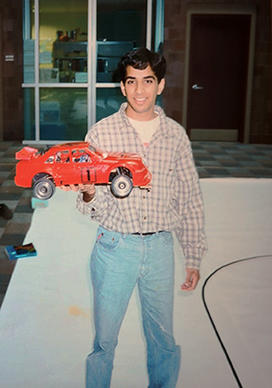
(80, 156)
(121, 27)
(71, 49)
(63, 113)
(63, 33)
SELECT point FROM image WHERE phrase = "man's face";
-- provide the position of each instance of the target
(141, 88)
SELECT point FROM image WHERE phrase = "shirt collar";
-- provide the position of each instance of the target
(163, 124)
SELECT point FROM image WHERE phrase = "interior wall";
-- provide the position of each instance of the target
(11, 69)
(1, 87)
(174, 51)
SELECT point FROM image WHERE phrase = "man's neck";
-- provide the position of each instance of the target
(147, 116)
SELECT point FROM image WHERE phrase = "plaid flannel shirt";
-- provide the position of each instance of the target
(174, 202)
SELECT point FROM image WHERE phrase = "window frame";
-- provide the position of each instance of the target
(92, 85)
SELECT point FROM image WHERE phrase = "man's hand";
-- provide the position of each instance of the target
(87, 190)
(192, 278)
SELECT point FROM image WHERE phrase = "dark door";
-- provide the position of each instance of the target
(218, 69)
(1, 84)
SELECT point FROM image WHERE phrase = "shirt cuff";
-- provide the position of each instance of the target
(193, 262)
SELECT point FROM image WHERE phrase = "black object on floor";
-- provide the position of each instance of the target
(5, 212)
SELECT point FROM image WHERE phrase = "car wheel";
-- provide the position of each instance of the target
(43, 188)
(121, 186)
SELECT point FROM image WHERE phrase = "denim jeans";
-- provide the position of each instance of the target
(119, 262)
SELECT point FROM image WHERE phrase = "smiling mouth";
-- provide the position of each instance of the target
(140, 100)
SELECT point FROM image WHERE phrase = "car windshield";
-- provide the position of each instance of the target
(92, 148)
(100, 153)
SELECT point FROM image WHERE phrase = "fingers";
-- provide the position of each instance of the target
(69, 187)
(90, 189)
(191, 281)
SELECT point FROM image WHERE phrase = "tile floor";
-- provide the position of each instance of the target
(213, 159)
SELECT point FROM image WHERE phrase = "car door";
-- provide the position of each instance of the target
(63, 169)
(88, 174)
(85, 166)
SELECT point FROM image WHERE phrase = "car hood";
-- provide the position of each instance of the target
(26, 153)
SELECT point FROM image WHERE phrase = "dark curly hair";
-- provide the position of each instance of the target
(140, 59)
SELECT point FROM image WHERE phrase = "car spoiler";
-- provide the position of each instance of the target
(26, 153)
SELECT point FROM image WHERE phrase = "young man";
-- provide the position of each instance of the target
(134, 243)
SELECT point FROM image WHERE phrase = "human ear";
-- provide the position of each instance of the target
(161, 86)
(123, 89)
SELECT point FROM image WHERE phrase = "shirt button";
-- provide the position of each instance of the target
(144, 217)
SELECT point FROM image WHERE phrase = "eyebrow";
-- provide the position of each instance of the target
(146, 77)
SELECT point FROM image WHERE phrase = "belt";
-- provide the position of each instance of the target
(146, 234)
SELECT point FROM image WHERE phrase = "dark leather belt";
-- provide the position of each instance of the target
(146, 234)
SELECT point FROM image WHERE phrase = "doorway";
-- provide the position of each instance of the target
(218, 84)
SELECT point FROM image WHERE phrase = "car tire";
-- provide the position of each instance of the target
(121, 186)
(44, 188)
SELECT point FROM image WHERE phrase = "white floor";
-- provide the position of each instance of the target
(46, 319)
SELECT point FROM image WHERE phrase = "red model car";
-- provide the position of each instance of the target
(80, 162)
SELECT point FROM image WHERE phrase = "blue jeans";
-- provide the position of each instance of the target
(118, 263)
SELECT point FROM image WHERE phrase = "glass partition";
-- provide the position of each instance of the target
(63, 41)
(63, 113)
(108, 101)
(28, 42)
(121, 27)
(29, 114)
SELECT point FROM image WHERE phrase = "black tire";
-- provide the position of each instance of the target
(121, 186)
(44, 188)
